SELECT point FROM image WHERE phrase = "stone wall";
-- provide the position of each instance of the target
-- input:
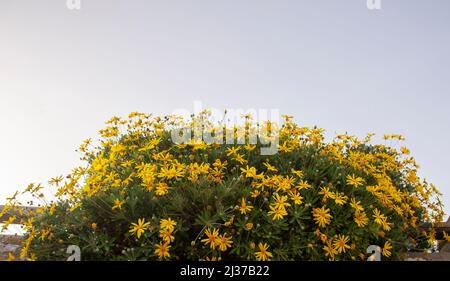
(9, 243)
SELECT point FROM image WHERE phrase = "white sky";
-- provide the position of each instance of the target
(334, 64)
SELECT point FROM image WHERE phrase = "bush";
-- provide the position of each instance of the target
(142, 197)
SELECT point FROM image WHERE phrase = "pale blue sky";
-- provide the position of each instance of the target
(334, 64)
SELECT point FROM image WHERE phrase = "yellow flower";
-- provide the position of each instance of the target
(166, 235)
(386, 225)
(386, 251)
(295, 197)
(8, 222)
(139, 228)
(219, 164)
(354, 181)
(404, 150)
(340, 199)
(162, 189)
(118, 204)
(239, 158)
(118, 148)
(229, 222)
(255, 193)
(249, 172)
(323, 238)
(281, 201)
(94, 226)
(52, 209)
(263, 254)
(212, 237)
(168, 224)
(11, 257)
(249, 147)
(329, 250)
(162, 250)
(298, 173)
(446, 236)
(303, 185)
(47, 232)
(223, 242)
(100, 164)
(325, 191)
(232, 150)
(56, 181)
(378, 217)
(277, 213)
(245, 208)
(171, 173)
(356, 205)
(322, 216)
(249, 226)
(361, 219)
(270, 167)
(340, 243)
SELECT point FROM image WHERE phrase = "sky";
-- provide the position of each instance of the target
(335, 64)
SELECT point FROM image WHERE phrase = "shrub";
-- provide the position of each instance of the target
(142, 197)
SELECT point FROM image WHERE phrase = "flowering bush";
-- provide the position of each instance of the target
(143, 197)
